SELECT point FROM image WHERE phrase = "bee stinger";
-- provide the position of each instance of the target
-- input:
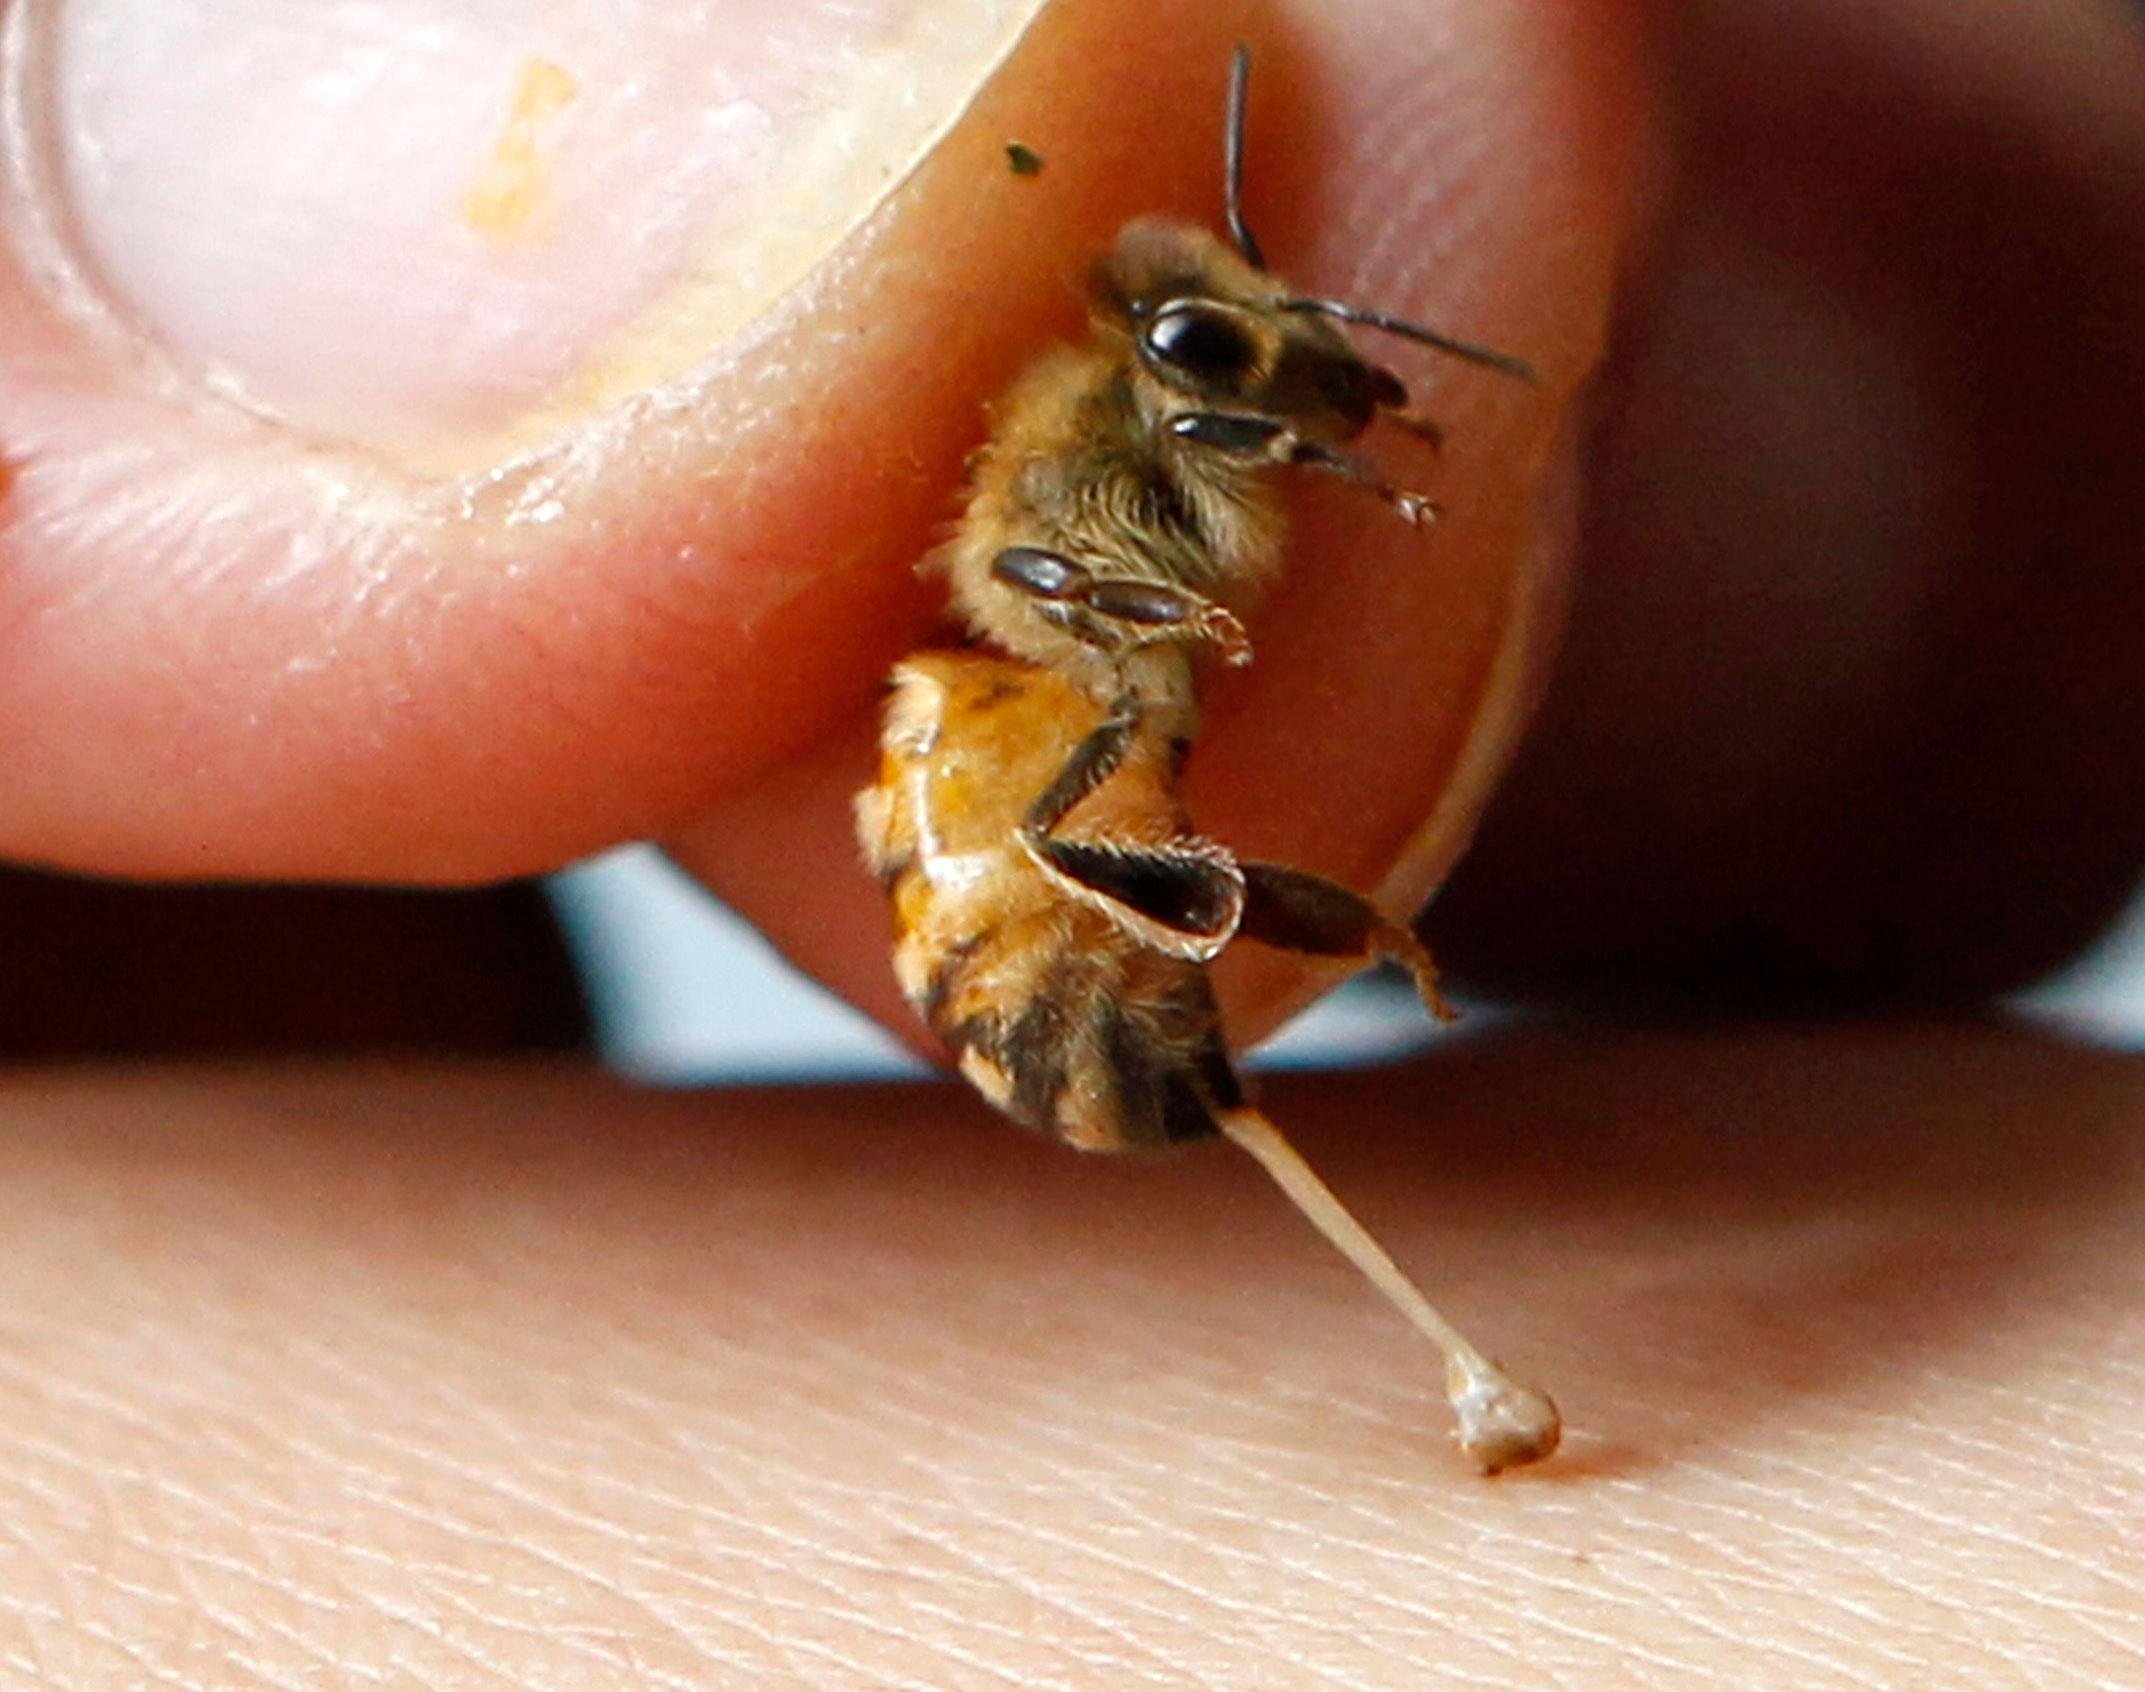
(1059, 948)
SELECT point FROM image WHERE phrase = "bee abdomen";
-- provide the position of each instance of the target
(1010, 1001)
(1089, 1055)
(1168, 1081)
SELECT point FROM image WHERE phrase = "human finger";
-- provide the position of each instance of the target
(1473, 167)
(1849, 704)
(439, 444)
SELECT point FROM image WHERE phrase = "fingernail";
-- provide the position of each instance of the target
(413, 223)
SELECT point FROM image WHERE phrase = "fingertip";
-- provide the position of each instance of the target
(263, 649)
(1480, 177)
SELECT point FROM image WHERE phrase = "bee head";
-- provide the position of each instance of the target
(1210, 321)
(1208, 325)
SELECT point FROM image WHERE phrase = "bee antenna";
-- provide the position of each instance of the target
(1488, 357)
(1501, 1422)
(1232, 158)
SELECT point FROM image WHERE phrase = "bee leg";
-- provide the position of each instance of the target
(1414, 507)
(1295, 911)
(1426, 429)
(1263, 438)
(1234, 435)
(1154, 611)
(1092, 763)
(1190, 889)
(1163, 613)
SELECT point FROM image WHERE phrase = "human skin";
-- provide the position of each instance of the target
(496, 1379)
(1846, 692)
(481, 1379)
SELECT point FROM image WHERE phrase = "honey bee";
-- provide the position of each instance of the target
(1119, 520)
(1060, 949)
(1054, 912)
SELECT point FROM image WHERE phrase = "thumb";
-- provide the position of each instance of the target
(437, 444)
(1467, 164)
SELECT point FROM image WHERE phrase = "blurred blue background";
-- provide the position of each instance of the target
(683, 991)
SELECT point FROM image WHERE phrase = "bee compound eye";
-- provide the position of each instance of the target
(1201, 341)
